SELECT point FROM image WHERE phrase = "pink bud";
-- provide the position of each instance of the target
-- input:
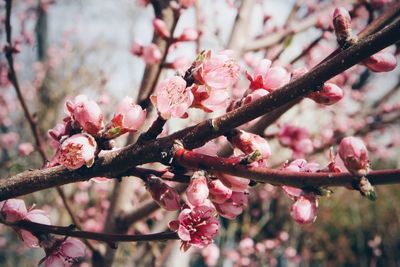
(164, 195)
(37, 216)
(275, 78)
(197, 191)
(187, 3)
(13, 210)
(60, 130)
(219, 193)
(180, 63)
(77, 151)
(304, 210)
(189, 34)
(172, 97)
(129, 117)
(381, 62)
(342, 25)
(137, 49)
(87, 113)
(257, 94)
(249, 143)
(66, 254)
(354, 155)
(151, 54)
(161, 28)
(328, 95)
(237, 184)
(234, 206)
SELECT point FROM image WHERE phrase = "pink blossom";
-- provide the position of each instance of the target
(216, 71)
(164, 195)
(65, 254)
(246, 246)
(328, 95)
(381, 62)
(196, 227)
(151, 54)
(87, 113)
(37, 216)
(24, 149)
(211, 255)
(237, 184)
(354, 155)
(161, 28)
(8, 140)
(249, 143)
(187, 3)
(189, 34)
(297, 138)
(181, 63)
(197, 191)
(304, 210)
(233, 207)
(209, 100)
(136, 49)
(60, 130)
(253, 96)
(219, 193)
(129, 117)
(13, 210)
(77, 151)
(172, 98)
(268, 78)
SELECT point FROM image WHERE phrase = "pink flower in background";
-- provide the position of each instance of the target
(211, 255)
(164, 195)
(219, 193)
(77, 151)
(249, 143)
(328, 95)
(266, 77)
(354, 155)
(87, 113)
(304, 210)
(172, 98)
(381, 62)
(237, 184)
(151, 54)
(37, 216)
(8, 140)
(216, 71)
(196, 227)
(161, 28)
(25, 149)
(129, 117)
(297, 138)
(181, 63)
(197, 191)
(65, 254)
(188, 34)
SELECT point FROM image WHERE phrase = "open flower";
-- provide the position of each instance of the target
(216, 71)
(172, 98)
(266, 77)
(196, 226)
(77, 151)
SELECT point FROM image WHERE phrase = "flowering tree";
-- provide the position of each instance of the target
(132, 177)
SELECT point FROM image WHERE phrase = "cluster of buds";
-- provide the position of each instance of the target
(76, 138)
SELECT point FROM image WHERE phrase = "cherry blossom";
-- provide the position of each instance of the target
(172, 98)
(196, 227)
(76, 151)
(161, 28)
(219, 193)
(354, 155)
(64, 253)
(304, 209)
(266, 77)
(328, 95)
(197, 191)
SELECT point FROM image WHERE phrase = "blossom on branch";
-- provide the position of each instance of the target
(196, 226)
(354, 155)
(164, 195)
(197, 191)
(63, 253)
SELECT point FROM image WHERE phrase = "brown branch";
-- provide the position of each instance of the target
(104, 237)
(232, 166)
(116, 162)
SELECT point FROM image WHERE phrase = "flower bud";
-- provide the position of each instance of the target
(342, 26)
(381, 62)
(137, 49)
(13, 210)
(328, 95)
(189, 34)
(304, 210)
(234, 206)
(161, 28)
(354, 155)
(237, 184)
(249, 143)
(197, 191)
(219, 193)
(77, 151)
(164, 195)
(87, 113)
(151, 54)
